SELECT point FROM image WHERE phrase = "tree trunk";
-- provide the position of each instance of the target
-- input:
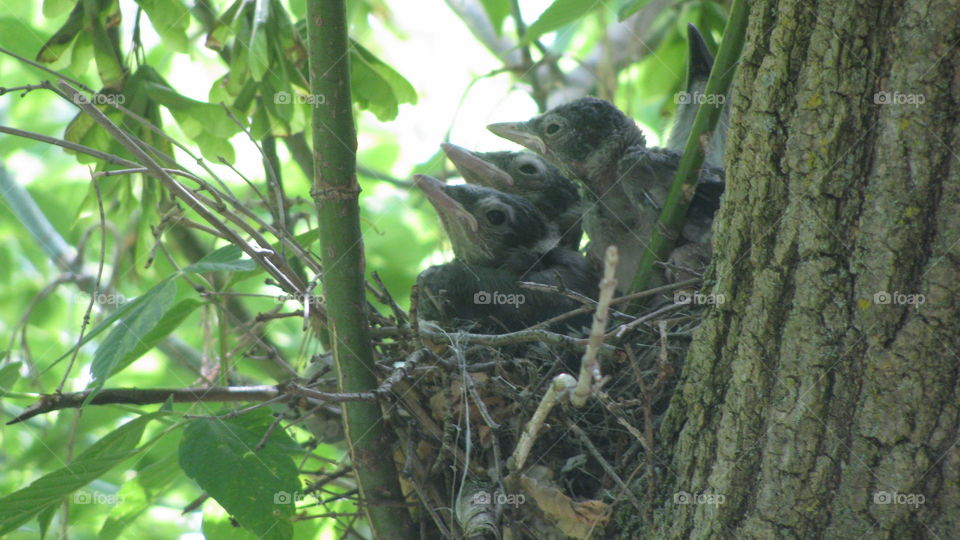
(820, 400)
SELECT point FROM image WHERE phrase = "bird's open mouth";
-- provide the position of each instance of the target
(476, 170)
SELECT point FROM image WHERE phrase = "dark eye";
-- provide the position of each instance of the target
(496, 217)
(528, 168)
(553, 128)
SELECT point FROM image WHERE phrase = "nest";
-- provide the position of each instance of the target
(490, 444)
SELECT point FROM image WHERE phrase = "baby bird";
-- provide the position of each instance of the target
(529, 176)
(626, 182)
(498, 240)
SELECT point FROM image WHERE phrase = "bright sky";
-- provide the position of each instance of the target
(441, 58)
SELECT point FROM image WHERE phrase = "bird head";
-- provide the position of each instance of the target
(517, 173)
(475, 169)
(579, 136)
(484, 224)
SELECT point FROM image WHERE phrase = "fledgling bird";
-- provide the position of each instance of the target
(626, 182)
(487, 227)
(529, 176)
(498, 240)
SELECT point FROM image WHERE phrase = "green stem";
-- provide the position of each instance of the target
(685, 181)
(336, 193)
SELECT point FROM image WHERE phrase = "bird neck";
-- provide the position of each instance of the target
(600, 170)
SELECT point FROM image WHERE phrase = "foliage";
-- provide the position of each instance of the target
(208, 83)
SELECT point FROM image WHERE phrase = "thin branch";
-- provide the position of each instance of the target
(96, 285)
(214, 394)
(589, 366)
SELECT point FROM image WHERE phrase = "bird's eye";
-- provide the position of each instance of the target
(528, 168)
(552, 128)
(496, 217)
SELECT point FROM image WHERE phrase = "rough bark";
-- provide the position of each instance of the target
(806, 404)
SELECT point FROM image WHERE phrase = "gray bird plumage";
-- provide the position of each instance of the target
(529, 176)
(625, 182)
(499, 240)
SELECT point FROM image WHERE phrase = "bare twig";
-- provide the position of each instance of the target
(561, 387)
(96, 286)
(214, 394)
(611, 472)
(589, 366)
(622, 329)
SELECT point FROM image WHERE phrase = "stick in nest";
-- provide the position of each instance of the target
(589, 366)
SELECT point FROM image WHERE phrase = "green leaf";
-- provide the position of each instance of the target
(54, 8)
(109, 65)
(376, 86)
(287, 43)
(559, 14)
(222, 29)
(226, 259)
(170, 321)
(215, 148)
(259, 48)
(195, 117)
(20, 37)
(497, 11)
(137, 495)
(304, 240)
(122, 311)
(371, 92)
(60, 41)
(402, 89)
(9, 375)
(82, 54)
(170, 18)
(258, 488)
(217, 525)
(44, 519)
(239, 75)
(19, 507)
(630, 7)
(131, 329)
(277, 98)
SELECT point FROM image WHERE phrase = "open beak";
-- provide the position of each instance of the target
(449, 209)
(519, 132)
(475, 169)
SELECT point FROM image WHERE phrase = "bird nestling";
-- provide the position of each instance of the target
(626, 182)
(529, 176)
(498, 240)
(486, 226)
